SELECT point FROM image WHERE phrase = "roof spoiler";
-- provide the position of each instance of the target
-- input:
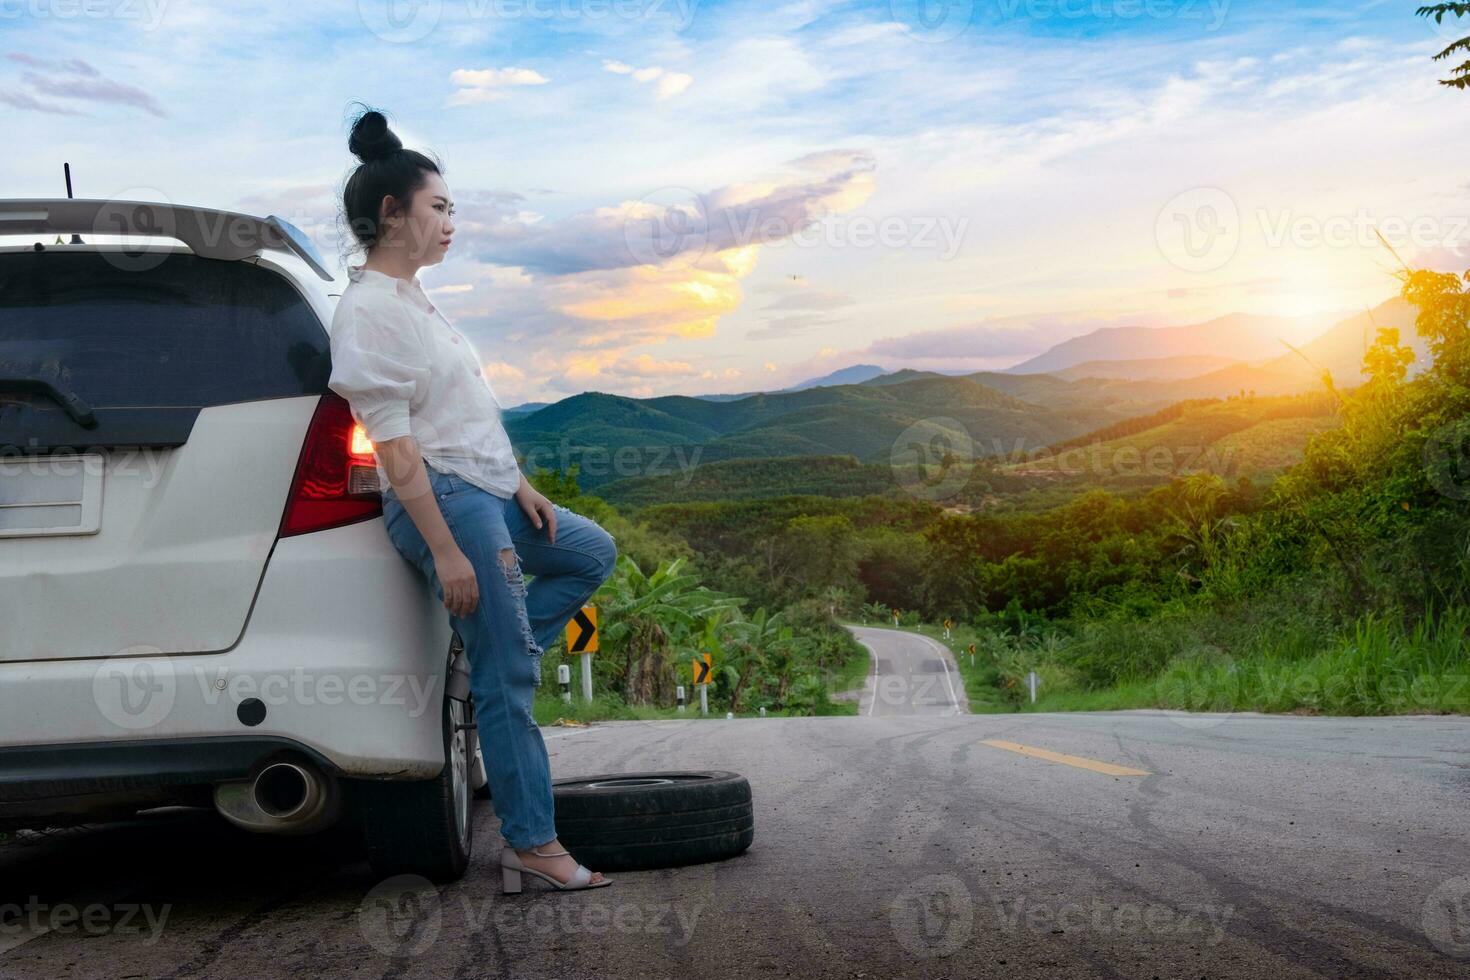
(212, 234)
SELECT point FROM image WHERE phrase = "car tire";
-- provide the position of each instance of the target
(635, 821)
(425, 828)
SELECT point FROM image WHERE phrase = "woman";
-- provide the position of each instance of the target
(445, 464)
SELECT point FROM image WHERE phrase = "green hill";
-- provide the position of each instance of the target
(616, 438)
(1234, 437)
(1252, 437)
(752, 479)
(1148, 368)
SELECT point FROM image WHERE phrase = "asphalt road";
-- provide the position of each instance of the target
(911, 675)
(924, 845)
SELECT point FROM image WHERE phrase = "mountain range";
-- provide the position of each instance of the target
(855, 374)
(1238, 336)
(616, 438)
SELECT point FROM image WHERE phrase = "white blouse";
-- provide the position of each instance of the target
(405, 370)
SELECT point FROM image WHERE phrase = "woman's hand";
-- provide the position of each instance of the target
(457, 577)
(537, 508)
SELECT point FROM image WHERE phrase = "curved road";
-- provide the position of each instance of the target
(911, 675)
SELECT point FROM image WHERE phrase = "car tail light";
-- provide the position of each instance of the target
(336, 479)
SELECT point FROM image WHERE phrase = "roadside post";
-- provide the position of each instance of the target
(679, 692)
(564, 678)
(1031, 682)
(972, 654)
(701, 668)
(947, 624)
(582, 640)
(895, 615)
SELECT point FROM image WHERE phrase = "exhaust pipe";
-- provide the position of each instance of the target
(283, 798)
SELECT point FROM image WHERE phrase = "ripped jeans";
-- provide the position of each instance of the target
(510, 626)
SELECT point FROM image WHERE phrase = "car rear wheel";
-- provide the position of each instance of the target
(425, 828)
(641, 820)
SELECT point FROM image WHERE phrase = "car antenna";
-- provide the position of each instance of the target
(66, 169)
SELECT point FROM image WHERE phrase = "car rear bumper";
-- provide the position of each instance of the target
(343, 657)
(40, 772)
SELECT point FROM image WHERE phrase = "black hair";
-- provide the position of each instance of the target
(386, 168)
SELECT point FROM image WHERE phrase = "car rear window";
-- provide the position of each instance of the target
(141, 329)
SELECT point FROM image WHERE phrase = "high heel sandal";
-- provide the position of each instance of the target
(512, 867)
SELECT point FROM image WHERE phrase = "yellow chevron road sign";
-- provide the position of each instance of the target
(582, 631)
(702, 669)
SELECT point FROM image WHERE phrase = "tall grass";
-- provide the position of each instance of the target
(1379, 664)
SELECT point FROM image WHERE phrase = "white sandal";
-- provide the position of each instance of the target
(511, 868)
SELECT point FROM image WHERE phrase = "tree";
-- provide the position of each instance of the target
(818, 552)
(649, 617)
(1387, 361)
(837, 599)
(952, 576)
(1444, 310)
(1200, 530)
(1460, 74)
(892, 567)
(759, 637)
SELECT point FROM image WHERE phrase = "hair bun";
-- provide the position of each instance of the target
(371, 138)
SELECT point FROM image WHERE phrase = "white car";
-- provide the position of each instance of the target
(198, 601)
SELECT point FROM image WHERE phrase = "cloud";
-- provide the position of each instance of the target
(74, 65)
(577, 371)
(768, 71)
(645, 304)
(803, 298)
(478, 86)
(583, 292)
(501, 371)
(313, 208)
(74, 79)
(586, 330)
(677, 226)
(671, 84)
(23, 101)
(780, 327)
(667, 83)
(647, 366)
(1443, 258)
(802, 310)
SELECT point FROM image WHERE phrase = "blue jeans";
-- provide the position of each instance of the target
(510, 626)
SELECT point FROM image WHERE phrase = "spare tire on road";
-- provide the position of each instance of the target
(633, 821)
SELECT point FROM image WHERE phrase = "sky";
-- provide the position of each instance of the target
(687, 196)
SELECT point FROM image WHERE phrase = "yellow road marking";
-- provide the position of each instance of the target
(1066, 760)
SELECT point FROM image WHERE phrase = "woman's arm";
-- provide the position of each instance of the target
(537, 508)
(405, 468)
